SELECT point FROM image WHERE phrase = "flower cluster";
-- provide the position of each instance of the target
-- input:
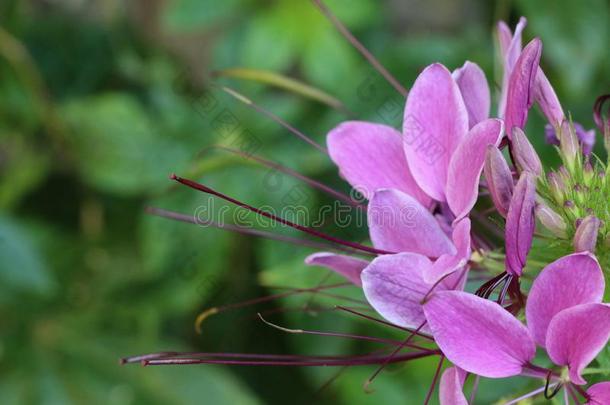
(449, 164)
(435, 165)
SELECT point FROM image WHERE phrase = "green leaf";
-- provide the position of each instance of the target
(22, 269)
(117, 147)
(189, 15)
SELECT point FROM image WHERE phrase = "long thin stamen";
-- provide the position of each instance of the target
(369, 381)
(434, 380)
(314, 362)
(246, 231)
(315, 184)
(356, 44)
(212, 355)
(528, 395)
(235, 94)
(313, 232)
(340, 335)
(215, 310)
(382, 322)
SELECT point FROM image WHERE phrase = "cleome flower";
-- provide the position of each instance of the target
(564, 313)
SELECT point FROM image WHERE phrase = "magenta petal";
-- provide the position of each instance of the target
(572, 280)
(435, 122)
(520, 94)
(451, 387)
(398, 223)
(510, 46)
(453, 263)
(394, 286)
(599, 394)
(467, 164)
(348, 267)
(547, 100)
(478, 335)
(576, 335)
(505, 36)
(371, 156)
(514, 49)
(520, 224)
(475, 91)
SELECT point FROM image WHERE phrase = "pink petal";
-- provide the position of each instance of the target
(520, 94)
(576, 335)
(520, 224)
(398, 223)
(572, 280)
(547, 100)
(452, 263)
(599, 394)
(478, 335)
(394, 286)
(435, 122)
(451, 387)
(349, 267)
(475, 91)
(510, 47)
(505, 36)
(467, 164)
(371, 156)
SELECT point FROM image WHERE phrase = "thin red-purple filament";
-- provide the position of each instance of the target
(361, 48)
(353, 245)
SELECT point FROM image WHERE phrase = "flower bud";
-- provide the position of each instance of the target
(557, 187)
(588, 173)
(568, 143)
(525, 156)
(499, 179)
(571, 208)
(585, 237)
(520, 224)
(551, 220)
(579, 194)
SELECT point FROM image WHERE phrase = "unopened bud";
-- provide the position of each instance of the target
(571, 208)
(557, 187)
(568, 143)
(524, 153)
(551, 220)
(588, 173)
(579, 193)
(564, 173)
(499, 179)
(585, 237)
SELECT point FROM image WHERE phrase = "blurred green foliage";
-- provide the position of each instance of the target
(101, 100)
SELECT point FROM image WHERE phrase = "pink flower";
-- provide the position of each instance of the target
(438, 157)
(564, 315)
(396, 285)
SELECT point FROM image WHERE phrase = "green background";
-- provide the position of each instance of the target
(101, 100)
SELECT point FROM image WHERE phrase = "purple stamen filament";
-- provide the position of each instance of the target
(313, 232)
